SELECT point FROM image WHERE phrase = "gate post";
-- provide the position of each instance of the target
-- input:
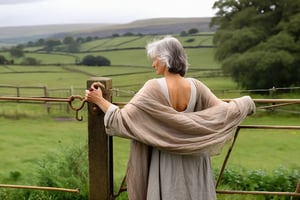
(100, 147)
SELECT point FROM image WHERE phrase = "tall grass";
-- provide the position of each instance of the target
(67, 168)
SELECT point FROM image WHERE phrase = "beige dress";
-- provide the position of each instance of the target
(180, 177)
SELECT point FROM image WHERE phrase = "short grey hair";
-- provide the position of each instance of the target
(169, 51)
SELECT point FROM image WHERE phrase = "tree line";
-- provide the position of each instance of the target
(258, 42)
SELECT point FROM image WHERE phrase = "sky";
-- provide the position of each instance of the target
(42, 12)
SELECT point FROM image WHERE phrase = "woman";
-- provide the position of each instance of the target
(175, 124)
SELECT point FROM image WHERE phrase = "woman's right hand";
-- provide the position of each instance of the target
(94, 95)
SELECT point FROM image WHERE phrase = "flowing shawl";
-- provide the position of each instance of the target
(150, 121)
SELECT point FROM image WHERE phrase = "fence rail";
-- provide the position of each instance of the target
(297, 188)
(40, 92)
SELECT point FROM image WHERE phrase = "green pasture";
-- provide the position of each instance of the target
(28, 133)
(129, 57)
(27, 140)
(30, 49)
(265, 149)
(199, 40)
(57, 77)
(140, 42)
(198, 57)
(90, 46)
(59, 58)
(120, 42)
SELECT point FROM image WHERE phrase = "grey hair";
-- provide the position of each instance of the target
(169, 51)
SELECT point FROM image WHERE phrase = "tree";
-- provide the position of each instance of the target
(50, 44)
(73, 47)
(193, 31)
(30, 44)
(116, 35)
(183, 33)
(68, 40)
(258, 42)
(16, 52)
(80, 40)
(30, 61)
(40, 42)
(91, 60)
(128, 34)
(88, 39)
(3, 60)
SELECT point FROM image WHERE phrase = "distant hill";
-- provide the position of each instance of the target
(22, 34)
(152, 26)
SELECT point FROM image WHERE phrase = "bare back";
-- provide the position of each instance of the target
(179, 90)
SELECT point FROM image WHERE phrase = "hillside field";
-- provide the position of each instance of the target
(28, 133)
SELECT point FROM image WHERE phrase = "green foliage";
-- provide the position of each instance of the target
(3, 60)
(262, 69)
(258, 41)
(73, 47)
(183, 34)
(280, 180)
(40, 42)
(50, 44)
(91, 60)
(68, 40)
(193, 31)
(190, 40)
(128, 34)
(66, 169)
(30, 61)
(16, 52)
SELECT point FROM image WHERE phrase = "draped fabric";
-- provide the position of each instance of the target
(150, 121)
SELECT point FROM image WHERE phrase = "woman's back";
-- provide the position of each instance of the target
(179, 91)
(173, 176)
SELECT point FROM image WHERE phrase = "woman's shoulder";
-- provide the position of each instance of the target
(196, 81)
(149, 84)
(152, 82)
(200, 86)
(150, 90)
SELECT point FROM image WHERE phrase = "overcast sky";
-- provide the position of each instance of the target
(37, 12)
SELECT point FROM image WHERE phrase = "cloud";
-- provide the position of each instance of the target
(8, 2)
(37, 12)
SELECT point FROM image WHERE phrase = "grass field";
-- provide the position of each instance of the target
(28, 133)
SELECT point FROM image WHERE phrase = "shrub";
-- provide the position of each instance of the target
(280, 180)
(184, 33)
(190, 40)
(193, 31)
(91, 60)
(3, 60)
(30, 61)
(67, 169)
(16, 52)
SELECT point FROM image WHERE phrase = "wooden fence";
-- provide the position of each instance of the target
(41, 91)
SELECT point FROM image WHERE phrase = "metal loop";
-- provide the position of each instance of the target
(72, 98)
(83, 101)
